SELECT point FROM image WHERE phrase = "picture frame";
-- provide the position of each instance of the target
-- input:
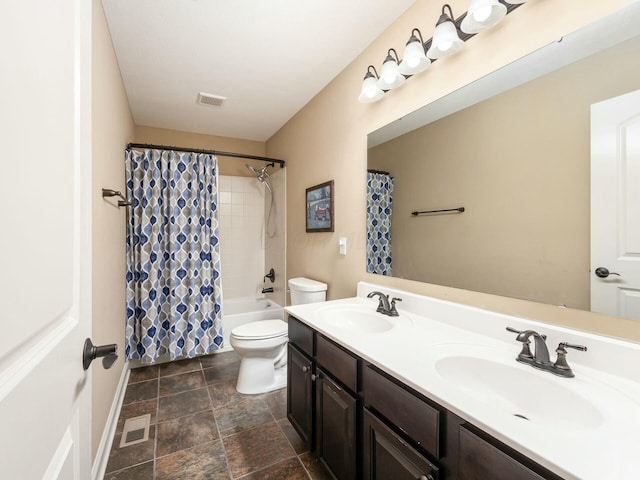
(319, 208)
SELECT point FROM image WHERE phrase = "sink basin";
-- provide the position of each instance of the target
(533, 396)
(358, 319)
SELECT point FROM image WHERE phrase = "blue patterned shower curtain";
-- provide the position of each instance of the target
(174, 295)
(379, 208)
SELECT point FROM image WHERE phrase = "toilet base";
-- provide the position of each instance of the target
(260, 377)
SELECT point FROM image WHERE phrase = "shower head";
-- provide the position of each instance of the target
(261, 174)
(251, 169)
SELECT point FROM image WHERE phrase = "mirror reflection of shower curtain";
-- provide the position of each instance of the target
(174, 296)
(379, 209)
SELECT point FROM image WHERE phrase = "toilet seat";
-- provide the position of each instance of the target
(261, 330)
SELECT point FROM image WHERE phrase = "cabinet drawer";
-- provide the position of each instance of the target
(301, 335)
(480, 460)
(411, 414)
(338, 362)
(387, 456)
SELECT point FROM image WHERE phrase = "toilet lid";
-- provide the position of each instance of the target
(261, 329)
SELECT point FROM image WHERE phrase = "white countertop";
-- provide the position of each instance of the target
(587, 427)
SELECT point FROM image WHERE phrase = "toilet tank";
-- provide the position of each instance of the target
(305, 290)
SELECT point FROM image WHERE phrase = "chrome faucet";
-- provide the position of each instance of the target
(540, 359)
(384, 306)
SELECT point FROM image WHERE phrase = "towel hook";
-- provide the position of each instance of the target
(107, 192)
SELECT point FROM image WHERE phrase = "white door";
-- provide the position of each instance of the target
(615, 206)
(45, 275)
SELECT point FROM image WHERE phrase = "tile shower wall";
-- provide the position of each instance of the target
(242, 247)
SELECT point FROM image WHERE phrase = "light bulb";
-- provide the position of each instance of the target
(370, 91)
(444, 46)
(482, 13)
(413, 62)
(389, 72)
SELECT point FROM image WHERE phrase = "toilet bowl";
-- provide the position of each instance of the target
(262, 345)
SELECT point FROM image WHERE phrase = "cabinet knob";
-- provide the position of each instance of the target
(305, 369)
(426, 477)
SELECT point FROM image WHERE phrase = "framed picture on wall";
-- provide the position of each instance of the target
(319, 208)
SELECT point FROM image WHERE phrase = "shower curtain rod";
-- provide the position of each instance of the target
(211, 152)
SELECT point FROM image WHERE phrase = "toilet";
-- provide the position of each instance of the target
(262, 345)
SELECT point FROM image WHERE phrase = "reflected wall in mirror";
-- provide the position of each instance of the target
(519, 163)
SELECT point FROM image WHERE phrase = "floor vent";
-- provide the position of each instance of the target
(135, 430)
(210, 100)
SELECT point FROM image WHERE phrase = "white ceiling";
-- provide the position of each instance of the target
(268, 57)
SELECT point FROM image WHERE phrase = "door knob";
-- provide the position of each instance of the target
(90, 352)
(603, 272)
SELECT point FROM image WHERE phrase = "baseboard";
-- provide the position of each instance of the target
(102, 455)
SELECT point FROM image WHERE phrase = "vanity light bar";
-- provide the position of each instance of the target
(449, 37)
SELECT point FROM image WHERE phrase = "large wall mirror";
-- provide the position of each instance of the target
(512, 149)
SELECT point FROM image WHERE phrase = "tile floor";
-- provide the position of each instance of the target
(201, 428)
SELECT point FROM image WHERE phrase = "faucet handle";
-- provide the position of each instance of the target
(525, 353)
(564, 345)
(392, 310)
(513, 330)
(561, 367)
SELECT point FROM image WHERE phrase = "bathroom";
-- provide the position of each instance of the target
(325, 140)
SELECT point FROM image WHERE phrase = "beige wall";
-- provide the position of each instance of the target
(112, 129)
(327, 140)
(228, 165)
(519, 163)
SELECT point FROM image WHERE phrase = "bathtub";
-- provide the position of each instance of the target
(238, 311)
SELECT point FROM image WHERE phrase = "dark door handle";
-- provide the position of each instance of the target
(603, 272)
(90, 352)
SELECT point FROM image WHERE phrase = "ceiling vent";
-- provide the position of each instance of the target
(210, 100)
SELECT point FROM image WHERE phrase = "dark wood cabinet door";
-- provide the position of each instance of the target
(336, 428)
(300, 395)
(386, 456)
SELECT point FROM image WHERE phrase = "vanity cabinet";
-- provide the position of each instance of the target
(322, 400)
(365, 424)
